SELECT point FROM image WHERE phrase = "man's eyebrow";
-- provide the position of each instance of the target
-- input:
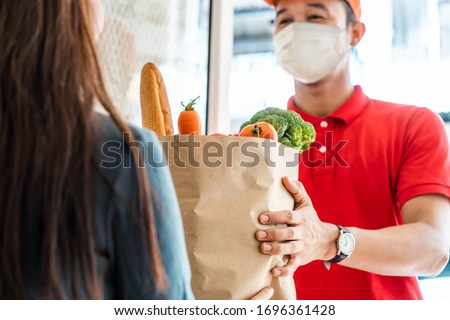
(317, 5)
(281, 11)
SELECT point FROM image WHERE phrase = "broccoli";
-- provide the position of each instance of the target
(292, 130)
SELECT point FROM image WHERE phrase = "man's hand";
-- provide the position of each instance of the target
(305, 239)
(264, 294)
(391, 251)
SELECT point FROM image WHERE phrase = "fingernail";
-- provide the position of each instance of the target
(264, 218)
(277, 272)
(267, 247)
(261, 234)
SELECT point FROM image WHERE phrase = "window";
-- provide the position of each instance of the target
(410, 26)
(174, 34)
(444, 24)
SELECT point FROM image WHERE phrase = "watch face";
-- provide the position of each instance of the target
(346, 244)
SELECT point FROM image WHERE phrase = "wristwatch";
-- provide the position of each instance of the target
(345, 244)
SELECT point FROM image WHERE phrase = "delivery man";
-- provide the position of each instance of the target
(372, 210)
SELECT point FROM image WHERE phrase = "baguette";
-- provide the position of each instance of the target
(155, 108)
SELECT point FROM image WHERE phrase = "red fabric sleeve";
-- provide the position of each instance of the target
(425, 162)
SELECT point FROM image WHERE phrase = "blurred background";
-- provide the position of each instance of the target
(174, 34)
(404, 57)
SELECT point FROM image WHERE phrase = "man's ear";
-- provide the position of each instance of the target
(358, 31)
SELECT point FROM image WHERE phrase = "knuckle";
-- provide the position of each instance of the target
(285, 271)
(280, 217)
(301, 217)
(290, 216)
(291, 233)
(293, 247)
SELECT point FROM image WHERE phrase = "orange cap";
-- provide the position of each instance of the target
(355, 4)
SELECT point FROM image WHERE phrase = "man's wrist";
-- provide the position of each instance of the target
(332, 234)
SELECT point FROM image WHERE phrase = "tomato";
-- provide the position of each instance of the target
(260, 130)
(218, 135)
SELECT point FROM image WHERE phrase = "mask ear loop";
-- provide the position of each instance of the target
(348, 48)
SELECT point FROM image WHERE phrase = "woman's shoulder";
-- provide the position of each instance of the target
(107, 130)
(113, 146)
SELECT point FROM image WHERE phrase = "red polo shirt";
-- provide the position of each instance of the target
(369, 158)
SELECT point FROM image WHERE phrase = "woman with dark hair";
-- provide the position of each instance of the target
(70, 227)
(82, 215)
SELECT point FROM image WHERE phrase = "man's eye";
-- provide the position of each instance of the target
(284, 21)
(315, 17)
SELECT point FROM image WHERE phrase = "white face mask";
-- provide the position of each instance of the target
(309, 51)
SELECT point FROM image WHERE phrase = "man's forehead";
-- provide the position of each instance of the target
(305, 2)
(318, 5)
(280, 4)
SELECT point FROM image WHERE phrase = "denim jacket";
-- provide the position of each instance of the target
(121, 265)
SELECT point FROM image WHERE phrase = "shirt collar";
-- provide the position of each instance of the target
(347, 113)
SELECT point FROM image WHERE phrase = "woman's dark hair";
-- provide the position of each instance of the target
(49, 80)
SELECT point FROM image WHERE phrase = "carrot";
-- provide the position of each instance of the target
(189, 119)
(260, 130)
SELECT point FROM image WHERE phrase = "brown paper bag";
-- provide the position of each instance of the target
(223, 184)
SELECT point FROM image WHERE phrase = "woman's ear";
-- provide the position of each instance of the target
(358, 31)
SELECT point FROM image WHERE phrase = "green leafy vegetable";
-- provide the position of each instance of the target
(292, 130)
